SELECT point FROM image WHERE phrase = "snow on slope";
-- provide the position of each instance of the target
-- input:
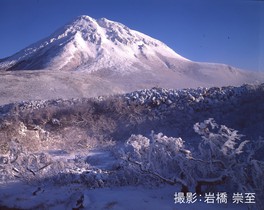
(90, 44)
(123, 57)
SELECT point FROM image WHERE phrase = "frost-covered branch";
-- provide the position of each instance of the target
(218, 160)
(168, 181)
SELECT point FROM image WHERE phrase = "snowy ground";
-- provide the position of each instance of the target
(78, 159)
(45, 195)
(24, 196)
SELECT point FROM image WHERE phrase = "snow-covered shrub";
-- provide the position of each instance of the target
(221, 159)
(159, 155)
(228, 156)
(221, 148)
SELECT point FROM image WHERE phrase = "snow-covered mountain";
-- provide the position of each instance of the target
(90, 44)
(120, 55)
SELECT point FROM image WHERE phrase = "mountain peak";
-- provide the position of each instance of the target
(119, 55)
(85, 18)
(84, 22)
(90, 44)
(88, 19)
(81, 23)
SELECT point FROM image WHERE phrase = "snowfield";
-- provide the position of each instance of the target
(119, 198)
(134, 150)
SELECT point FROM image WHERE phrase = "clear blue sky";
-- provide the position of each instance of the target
(223, 31)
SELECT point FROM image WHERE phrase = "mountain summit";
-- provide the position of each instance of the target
(126, 58)
(89, 44)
